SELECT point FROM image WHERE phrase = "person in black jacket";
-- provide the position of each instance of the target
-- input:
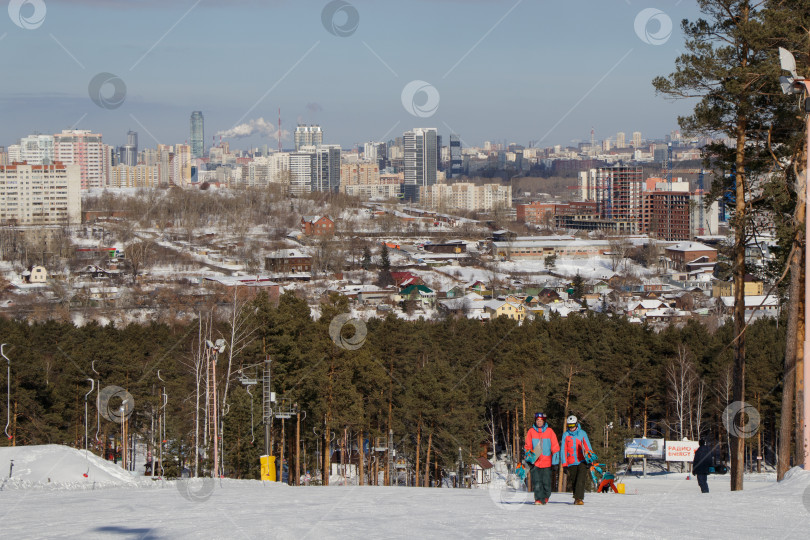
(701, 463)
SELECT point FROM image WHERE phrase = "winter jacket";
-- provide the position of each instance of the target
(543, 443)
(702, 460)
(575, 447)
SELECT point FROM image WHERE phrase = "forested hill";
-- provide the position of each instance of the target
(439, 384)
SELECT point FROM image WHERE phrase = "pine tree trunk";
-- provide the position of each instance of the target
(738, 388)
(362, 463)
(788, 384)
(561, 471)
(427, 460)
(799, 371)
(418, 447)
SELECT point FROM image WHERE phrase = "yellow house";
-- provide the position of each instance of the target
(726, 288)
(497, 308)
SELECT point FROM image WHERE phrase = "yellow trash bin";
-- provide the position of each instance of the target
(268, 464)
(620, 488)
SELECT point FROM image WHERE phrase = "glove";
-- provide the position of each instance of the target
(521, 473)
(530, 457)
(590, 457)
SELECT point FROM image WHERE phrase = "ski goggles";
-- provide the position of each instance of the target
(572, 426)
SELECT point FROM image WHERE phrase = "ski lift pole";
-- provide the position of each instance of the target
(252, 438)
(8, 390)
(162, 428)
(98, 399)
(92, 387)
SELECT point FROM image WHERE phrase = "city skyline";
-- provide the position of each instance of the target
(500, 71)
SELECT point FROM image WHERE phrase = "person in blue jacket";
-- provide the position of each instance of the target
(576, 457)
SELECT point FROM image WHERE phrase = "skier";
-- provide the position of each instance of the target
(542, 451)
(576, 456)
(701, 463)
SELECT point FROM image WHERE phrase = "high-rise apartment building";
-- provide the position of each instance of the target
(308, 136)
(139, 176)
(197, 129)
(85, 149)
(302, 165)
(37, 149)
(466, 196)
(421, 160)
(326, 176)
(636, 139)
(40, 194)
(621, 140)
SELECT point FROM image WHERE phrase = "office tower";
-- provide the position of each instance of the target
(636, 139)
(621, 140)
(129, 153)
(37, 149)
(456, 164)
(308, 136)
(420, 160)
(439, 164)
(40, 194)
(197, 129)
(86, 150)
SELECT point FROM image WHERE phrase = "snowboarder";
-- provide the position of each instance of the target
(701, 464)
(542, 451)
(576, 456)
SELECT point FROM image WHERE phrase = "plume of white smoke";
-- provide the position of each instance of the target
(257, 126)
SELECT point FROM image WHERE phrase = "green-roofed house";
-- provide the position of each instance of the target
(422, 294)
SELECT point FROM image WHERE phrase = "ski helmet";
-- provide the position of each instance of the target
(571, 420)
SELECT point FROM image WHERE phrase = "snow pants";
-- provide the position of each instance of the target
(704, 486)
(579, 475)
(541, 483)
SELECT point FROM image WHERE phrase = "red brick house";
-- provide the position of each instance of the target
(685, 253)
(317, 225)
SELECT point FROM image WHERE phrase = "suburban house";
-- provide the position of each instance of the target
(403, 279)
(751, 287)
(317, 225)
(687, 256)
(497, 308)
(36, 274)
(640, 308)
(472, 305)
(287, 261)
(424, 295)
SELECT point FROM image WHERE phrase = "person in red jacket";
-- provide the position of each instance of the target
(542, 451)
(576, 456)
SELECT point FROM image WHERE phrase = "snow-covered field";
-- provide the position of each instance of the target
(655, 507)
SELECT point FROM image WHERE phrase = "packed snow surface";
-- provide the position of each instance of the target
(659, 506)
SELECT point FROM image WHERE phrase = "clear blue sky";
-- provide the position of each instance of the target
(522, 79)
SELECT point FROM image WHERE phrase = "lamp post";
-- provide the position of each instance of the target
(794, 84)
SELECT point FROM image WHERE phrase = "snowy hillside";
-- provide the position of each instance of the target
(659, 506)
(53, 466)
